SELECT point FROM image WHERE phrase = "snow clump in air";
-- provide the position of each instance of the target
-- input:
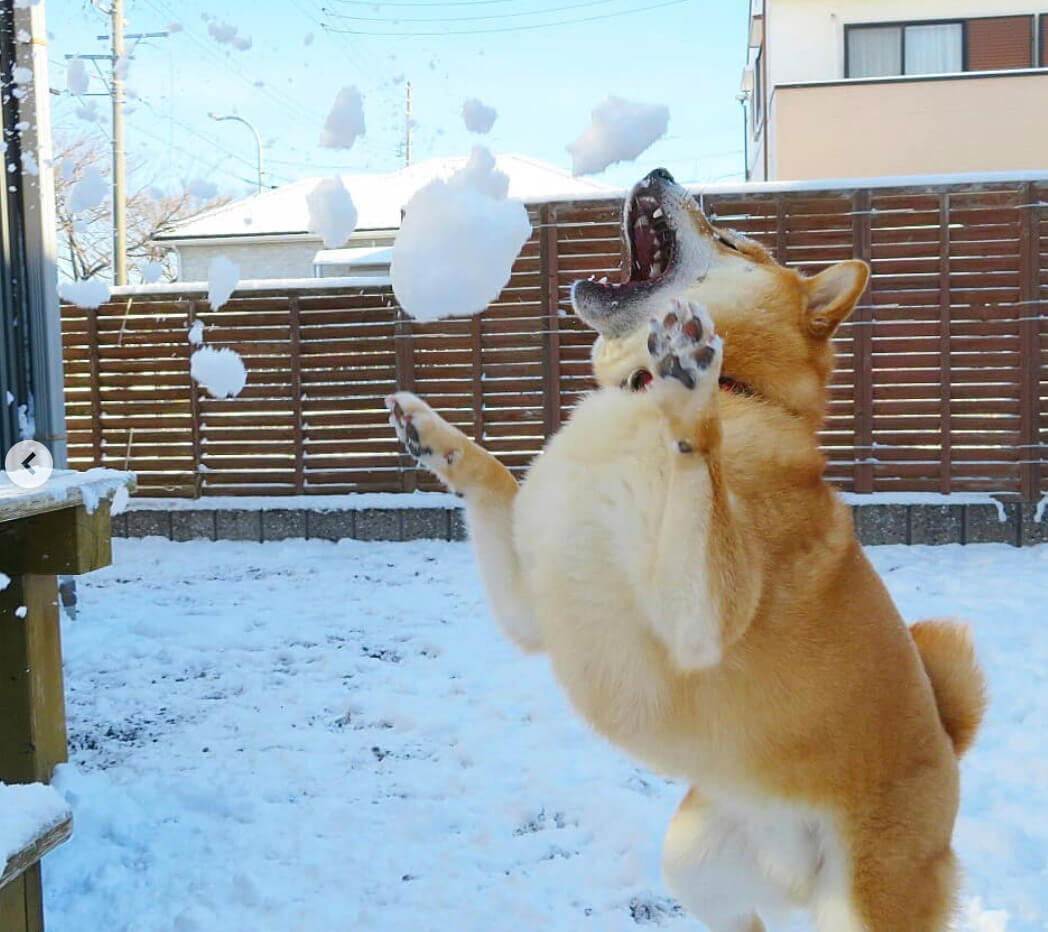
(345, 122)
(89, 293)
(76, 77)
(478, 117)
(201, 189)
(226, 34)
(152, 271)
(89, 191)
(222, 278)
(621, 130)
(458, 241)
(196, 333)
(220, 371)
(332, 213)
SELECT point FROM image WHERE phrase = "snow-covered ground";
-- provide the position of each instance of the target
(320, 737)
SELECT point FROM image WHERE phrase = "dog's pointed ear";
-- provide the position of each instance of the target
(832, 295)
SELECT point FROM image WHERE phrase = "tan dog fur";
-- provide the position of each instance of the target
(712, 613)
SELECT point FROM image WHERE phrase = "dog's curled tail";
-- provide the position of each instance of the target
(959, 685)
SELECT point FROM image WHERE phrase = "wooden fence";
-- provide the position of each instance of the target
(942, 382)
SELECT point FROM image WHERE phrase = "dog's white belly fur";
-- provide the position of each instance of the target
(586, 524)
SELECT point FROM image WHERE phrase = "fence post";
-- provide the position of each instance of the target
(781, 244)
(862, 233)
(96, 387)
(550, 320)
(194, 410)
(476, 343)
(405, 361)
(1029, 391)
(297, 438)
(945, 422)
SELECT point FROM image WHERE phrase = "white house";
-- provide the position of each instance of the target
(856, 88)
(266, 235)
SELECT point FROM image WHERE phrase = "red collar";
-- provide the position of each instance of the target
(734, 386)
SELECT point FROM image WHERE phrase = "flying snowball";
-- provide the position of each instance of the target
(457, 243)
(77, 81)
(89, 191)
(222, 279)
(220, 371)
(332, 213)
(345, 122)
(620, 131)
(478, 117)
(89, 293)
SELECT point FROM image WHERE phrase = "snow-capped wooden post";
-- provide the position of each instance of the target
(60, 528)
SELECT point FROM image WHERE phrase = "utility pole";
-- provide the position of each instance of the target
(407, 128)
(119, 155)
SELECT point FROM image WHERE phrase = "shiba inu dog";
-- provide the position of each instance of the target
(702, 597)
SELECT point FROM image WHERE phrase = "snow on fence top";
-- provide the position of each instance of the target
(940, 386)
(64, 488)
(27, 812)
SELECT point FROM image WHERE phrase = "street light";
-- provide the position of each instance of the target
(258, 141)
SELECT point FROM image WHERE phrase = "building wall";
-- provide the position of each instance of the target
(900, 127)
(259, 260)
(806, 37)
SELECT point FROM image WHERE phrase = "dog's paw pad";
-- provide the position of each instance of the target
(683, 345)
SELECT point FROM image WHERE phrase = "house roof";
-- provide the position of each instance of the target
(378, 197)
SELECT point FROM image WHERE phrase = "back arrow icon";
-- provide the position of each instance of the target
(27, 461)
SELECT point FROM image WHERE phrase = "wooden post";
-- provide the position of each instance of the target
(945, 425)
(781, 245)
(476, 341)
(1029, 365)
(297, 430)
(96, 388)
(551, 407)
(194, 415)
(405, 360)
(862, 232)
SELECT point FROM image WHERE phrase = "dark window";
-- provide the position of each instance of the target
(757, 108)
(1000, 43)
(1044, 40)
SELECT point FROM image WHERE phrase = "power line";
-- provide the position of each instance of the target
(464, 19)
(522, 28)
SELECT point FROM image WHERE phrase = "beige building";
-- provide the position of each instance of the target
(868, 88)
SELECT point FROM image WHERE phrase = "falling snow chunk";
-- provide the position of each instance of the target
(5, 581)
(201, 189)
(458, 241)
(226, 34)
(331, 212)
(308, 39)
(29, 163)
(621, 130)
(222, 278)
(121, 499)
(10, 398)
(220, 371)
(174, 26)
(21, 611)
(345, 122)
(478, 117)
(89, 293)
(89, 191)
(152, 271)
(196, 333)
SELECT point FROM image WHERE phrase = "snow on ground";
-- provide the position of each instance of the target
(478, 117)
(323, 737)
(89, 191)
(222, 278)
(345, 121)
(220, 371)
(458, 240)
(87, 293)
(332, 213)
(620, 131)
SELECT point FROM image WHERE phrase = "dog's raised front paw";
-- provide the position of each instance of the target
(683, 345)
(426, 435)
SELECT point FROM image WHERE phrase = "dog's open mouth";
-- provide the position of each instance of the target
(652, 243)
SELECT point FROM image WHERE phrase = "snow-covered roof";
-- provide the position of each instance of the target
(360, 255)
(378, 197)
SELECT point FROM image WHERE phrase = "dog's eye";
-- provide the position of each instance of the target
(639, 380)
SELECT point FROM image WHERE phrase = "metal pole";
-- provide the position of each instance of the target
(745, 138)
(407, 128)
(258, 143)
(119, 166)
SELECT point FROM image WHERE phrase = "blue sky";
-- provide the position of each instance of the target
(544, 82)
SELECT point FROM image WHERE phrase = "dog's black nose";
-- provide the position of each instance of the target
(659, 174)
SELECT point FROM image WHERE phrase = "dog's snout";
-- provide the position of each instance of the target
(659, 174)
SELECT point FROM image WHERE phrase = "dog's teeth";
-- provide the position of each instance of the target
(656, 268)
(603, 280)
(657, 212)
(642, 221)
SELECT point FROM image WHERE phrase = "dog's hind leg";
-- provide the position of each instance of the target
(711, 865)
(489, 490)
(705, 581)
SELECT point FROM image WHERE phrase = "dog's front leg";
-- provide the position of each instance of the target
(705, 581)
(489, 490)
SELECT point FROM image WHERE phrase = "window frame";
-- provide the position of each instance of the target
(757, 103)
(902, 25)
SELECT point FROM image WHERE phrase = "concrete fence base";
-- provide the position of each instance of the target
(875, 524)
